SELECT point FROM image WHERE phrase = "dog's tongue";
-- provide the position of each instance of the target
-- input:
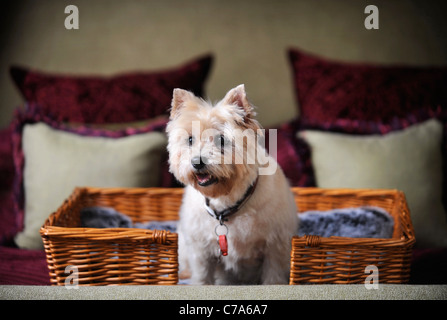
(203, 178)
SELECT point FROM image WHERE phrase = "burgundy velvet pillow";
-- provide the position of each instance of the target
(329, 91)
(362, 98)
(33, 114)
(292, 155)
(6, 162)
(23, 267)
(121, 98)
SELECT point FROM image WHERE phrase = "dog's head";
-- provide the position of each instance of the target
(213, 148)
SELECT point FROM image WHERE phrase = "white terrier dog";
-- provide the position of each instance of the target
(238, 214)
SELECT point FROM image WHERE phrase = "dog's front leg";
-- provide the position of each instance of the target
(276, 266)
(203, 267)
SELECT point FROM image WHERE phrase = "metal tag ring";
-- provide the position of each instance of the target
(221, 225)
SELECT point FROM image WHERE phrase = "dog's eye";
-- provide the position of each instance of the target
(191, 140)
(221, 141)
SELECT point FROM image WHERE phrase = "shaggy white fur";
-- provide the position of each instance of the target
(215, 151)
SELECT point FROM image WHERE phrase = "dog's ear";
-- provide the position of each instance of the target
(237, 96)
(179, 97)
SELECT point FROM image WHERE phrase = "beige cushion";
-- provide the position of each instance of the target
(56, 162)
(409, 160)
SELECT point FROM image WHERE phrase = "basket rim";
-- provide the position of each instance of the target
(128, 190)
(334, 241)
(136, 233)
(103, 234)
(317, 241)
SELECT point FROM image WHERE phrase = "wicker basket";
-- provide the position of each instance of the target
(137, 256)
(341, 260)
(115, 256)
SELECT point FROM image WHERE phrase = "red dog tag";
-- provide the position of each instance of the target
(223, 244)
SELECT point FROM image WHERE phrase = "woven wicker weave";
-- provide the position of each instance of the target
(138, 256)
(114, 256)
(321, 260)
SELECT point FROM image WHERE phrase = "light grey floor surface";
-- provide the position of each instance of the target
(283, 292)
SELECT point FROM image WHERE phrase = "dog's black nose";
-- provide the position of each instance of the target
(198, 162)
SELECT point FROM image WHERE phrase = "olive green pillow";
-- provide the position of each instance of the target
(409, 160)
(57, 161)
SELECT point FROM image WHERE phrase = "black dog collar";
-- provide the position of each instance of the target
(224, 214)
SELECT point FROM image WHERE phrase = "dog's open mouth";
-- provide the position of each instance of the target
(205, 179)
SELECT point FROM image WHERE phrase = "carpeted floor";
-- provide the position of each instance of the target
(303, 292)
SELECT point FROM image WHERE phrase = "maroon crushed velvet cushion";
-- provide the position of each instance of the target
(292, 155)
(8, 217)
(361, 98)
(6, 161)
(121, 98)
(23, 267)
(329, 91)
(8, 225)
